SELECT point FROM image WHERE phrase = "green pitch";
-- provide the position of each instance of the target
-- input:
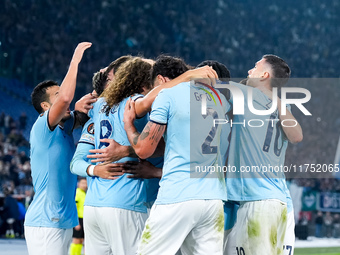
(317, 251)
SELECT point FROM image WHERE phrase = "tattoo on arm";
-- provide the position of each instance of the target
(135, 137)
(153, 135)
(145, 132)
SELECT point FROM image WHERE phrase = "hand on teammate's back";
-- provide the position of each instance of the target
(84, 104)
(111, 153)
(129, 112)
(142, 169)
(110, 171)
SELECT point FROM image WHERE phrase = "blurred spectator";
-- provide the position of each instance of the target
(318, 224)
(15, 166)
(336, 226)
(9, 213)
(22, 121)
(328, 223)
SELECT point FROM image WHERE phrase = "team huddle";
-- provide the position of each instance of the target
(146, 129)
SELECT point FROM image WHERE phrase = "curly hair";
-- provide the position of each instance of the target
(130, 78)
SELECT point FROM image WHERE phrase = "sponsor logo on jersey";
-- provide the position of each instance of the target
(90, 129)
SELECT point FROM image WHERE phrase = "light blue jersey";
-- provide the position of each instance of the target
(124, 193)
(120, 136)
(256, 150)
(53, 204)
(192, 143)
(80, 162)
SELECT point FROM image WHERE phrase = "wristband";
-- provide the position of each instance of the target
(91, 170)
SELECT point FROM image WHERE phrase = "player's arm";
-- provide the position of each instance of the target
(111, 153)
(67, 88)
(143, 105)
(145, 143)
(293, 134)
(80, 166)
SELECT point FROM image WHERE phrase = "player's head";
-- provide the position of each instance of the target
(44, 95)
(82, 183)
(167, 68)
(271, 70)
(221, 70)
(101, 79)
(132, 77)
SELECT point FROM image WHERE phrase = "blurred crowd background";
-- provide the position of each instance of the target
(37, 39)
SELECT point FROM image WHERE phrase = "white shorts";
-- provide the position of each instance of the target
(111, 230)
(260, 228)
(289, 242)
(196, 226)
(47, 241)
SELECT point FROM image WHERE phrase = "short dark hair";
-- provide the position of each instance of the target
(168, 66)
(117, 63)
(221, 70)
(99, 79)
(39, 94)
(99, 82)
(281, 70)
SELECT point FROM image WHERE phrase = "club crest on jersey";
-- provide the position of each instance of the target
(90, 129)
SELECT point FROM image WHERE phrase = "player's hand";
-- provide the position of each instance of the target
(111, 153)
(129, 112)
(142, 169)
(79, 51)
(77, 227)
(110, 171)
(84, 104)
(204, 74)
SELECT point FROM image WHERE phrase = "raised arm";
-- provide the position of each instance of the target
(145, 143)
(67, 88)
(143, 105)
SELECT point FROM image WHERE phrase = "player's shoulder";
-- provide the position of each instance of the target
(237, 85)
(41, 120)
(175, 90)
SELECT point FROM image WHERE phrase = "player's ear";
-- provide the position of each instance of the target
(161, 79)
(45, 106)
(265, 75)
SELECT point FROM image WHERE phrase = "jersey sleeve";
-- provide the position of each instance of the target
(87, 134)
(161, 108)
(80, 162)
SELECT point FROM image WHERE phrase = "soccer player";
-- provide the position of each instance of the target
(193, 203)
(230, 208)
(80, 165)
(78, 231)
(121, 200)
(262, 215)
(52, 214)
